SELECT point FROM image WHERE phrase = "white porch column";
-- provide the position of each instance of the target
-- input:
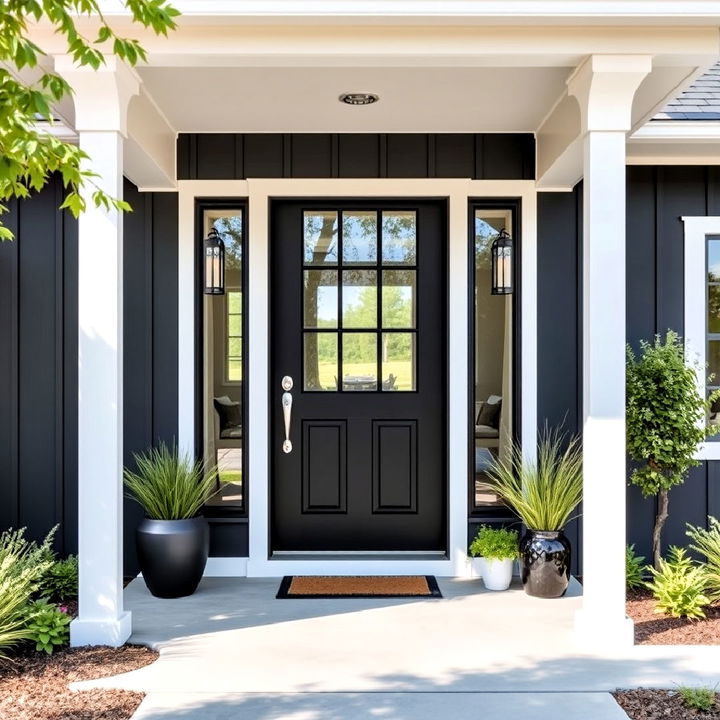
(101, 101)
(604, 86)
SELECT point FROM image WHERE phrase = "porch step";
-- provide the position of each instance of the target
(388, 706)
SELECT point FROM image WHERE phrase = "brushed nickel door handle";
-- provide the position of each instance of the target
(286, 401)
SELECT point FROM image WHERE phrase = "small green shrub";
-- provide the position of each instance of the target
(702, 698)
(22, 565)
(679, 586)
(707, 543)
(60, 582)
(495, 543)
(169, 485)
(634, 568)
(47, 626)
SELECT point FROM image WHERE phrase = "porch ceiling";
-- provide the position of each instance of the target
(305, 99)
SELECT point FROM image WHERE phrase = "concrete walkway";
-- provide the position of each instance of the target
(232, 650)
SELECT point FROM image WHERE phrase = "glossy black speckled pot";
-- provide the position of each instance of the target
(545, 563)
(172, 555)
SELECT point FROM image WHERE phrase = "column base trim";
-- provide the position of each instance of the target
(101, 632)
(593, 630)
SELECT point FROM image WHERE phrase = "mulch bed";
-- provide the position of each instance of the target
(654, 629)
(34, 686)
(661, 705)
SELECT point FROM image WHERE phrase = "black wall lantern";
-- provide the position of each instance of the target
(214, 264)
(502, 256)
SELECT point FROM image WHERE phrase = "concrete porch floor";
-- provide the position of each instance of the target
(233, 650)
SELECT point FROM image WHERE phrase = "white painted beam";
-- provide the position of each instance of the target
(101, 100)
(604, 87)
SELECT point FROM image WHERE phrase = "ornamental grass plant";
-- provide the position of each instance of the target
(543, 492)
(169, 485)
(707, 543)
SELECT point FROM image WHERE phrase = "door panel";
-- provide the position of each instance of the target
(358, 321)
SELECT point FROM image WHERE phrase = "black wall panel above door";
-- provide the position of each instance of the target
(489, 156)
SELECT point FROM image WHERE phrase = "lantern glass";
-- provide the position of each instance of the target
(214, 264)
(501, 252)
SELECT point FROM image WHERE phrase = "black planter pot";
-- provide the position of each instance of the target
(545, 563)
(172, 555)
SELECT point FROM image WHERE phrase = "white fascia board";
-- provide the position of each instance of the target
(658, 131)
(591, 11)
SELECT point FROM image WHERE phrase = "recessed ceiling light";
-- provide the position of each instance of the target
(359, 98)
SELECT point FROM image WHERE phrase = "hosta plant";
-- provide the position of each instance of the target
(679, 586)
(47, 626)
(634, 568)
(707, 543)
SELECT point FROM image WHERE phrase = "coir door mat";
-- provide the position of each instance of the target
(370, 586)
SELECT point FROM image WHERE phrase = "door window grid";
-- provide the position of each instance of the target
(233, 350)
(369, 328)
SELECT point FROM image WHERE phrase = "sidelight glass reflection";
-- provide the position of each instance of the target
(398, 298)
(320, 234)
(320, 298)
(320, 364)
(398, 361)
(360, 236)
(359, 350)
(399, 237)
(359, 298)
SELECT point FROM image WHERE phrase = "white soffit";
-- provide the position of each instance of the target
(306, 99)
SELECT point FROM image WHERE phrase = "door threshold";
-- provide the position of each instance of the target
(406, 556)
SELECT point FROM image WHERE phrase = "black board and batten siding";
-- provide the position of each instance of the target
(657, 197)
(360, 155)
(38, 307)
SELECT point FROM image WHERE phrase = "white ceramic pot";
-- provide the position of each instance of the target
(496, 574)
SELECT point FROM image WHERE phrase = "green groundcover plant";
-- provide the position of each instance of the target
(169, 485)
(543, 492)
(665, 422)
(679, 586)
(60, 582)
(495, 543)
(47, 626)
(634, 568)
(706, 541)
(699, 698)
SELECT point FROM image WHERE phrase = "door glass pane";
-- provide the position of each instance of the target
(359, 298)
(398, 298)
(321, 361)
(321, 237)
(359, 236)
(320, 304)
(714, 308)
(398, 361)
(399, 241)
(714, 260)
(359, 361)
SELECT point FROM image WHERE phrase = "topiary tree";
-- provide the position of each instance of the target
(665, 422)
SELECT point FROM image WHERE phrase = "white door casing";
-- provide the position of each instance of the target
(258, 193)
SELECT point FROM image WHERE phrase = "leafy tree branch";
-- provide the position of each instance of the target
(28, 155)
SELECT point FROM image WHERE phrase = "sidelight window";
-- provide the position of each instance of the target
(359, 309)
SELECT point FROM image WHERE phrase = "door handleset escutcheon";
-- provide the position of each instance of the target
(286, 401)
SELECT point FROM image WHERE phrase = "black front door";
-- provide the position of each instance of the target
(358, 318)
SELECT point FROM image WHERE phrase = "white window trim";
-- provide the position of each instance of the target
(259, 194)
(697, 230)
